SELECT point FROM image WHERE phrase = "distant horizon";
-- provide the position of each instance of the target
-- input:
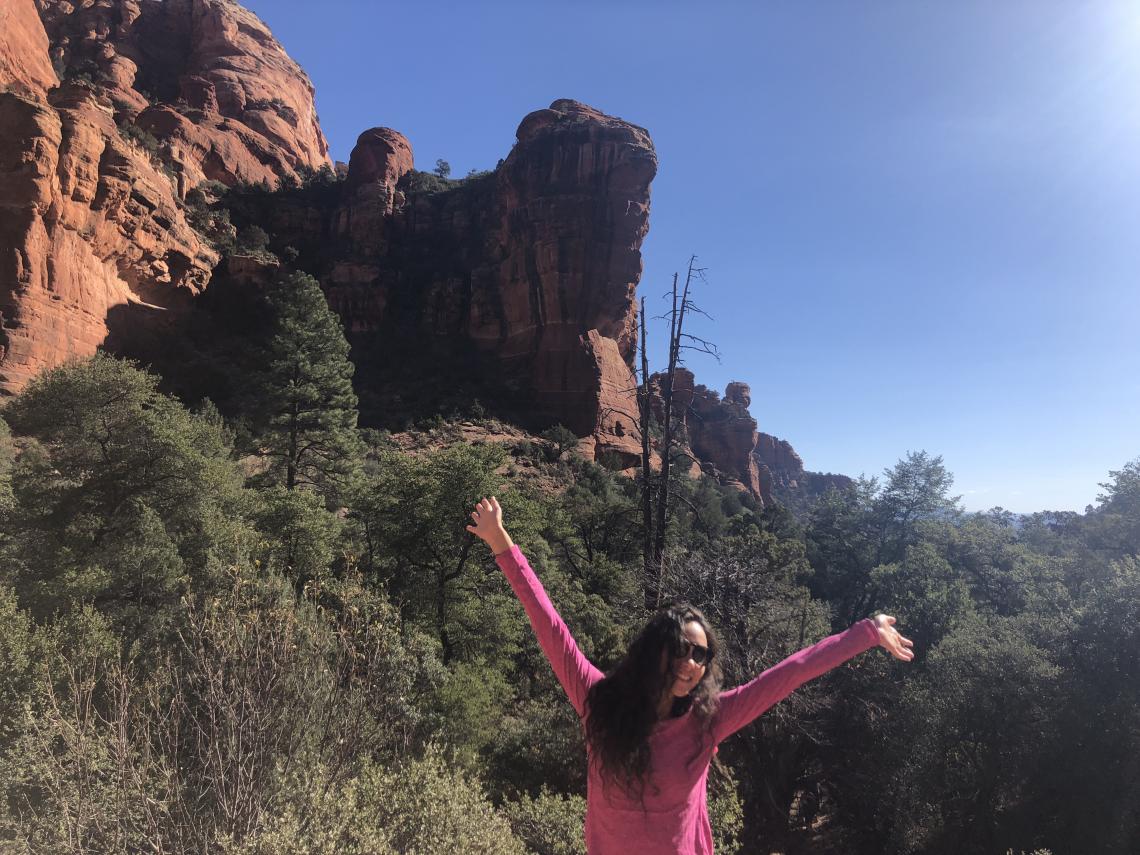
(918, 220)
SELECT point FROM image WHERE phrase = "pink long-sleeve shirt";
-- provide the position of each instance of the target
(674, 818)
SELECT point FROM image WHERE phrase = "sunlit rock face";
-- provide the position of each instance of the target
(518, 283)
(110, 112)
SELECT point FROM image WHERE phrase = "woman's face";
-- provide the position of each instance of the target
(684, 672)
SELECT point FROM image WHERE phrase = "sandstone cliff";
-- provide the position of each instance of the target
(517, 284)
(110, 111)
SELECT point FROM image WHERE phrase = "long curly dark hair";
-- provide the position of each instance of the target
(622, 707)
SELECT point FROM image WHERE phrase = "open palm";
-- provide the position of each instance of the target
(890, 639)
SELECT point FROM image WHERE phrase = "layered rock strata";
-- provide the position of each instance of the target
(110, 111)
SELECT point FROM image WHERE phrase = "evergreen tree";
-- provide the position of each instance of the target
(120, 496)
(304, 405)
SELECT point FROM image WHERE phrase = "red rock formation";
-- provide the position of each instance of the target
(723, 433)
(156, 97)
(722, 436)
(24, 62)
(532, 267)
(575, 175)
(780, 459)
(738, 393)
(206, 77)
(381, 157)
(90, 222)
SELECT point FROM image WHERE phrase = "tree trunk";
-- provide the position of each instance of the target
(651, 569)
(676, 325)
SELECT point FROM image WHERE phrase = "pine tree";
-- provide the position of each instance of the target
(304, 405)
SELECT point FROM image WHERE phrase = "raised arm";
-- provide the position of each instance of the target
(743, 704)
(573, 669)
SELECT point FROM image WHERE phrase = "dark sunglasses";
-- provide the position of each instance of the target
(700, 655)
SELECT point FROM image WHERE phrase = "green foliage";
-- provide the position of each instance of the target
(916, 489)
(260, 695)
(549, 824)
(209, 218)
(122, 497)
(189, 665)
(426, 183)
(302, 402)
(7, 500)
(273, 105)
(143, 138)
(539, 742)
(423, 807)
(926, 593)
(974, 720)
(1112, 531)
(561, 439)
(300, 534)
(252, 240)
(1095, 756)
(470, 702)
(412, 515)
(726, 812)
(597, 529)
(442, 168)
(18, 655)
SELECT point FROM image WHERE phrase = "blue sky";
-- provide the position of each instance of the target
(920, 220)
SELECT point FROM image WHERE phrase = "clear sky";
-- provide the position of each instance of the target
(920, 220)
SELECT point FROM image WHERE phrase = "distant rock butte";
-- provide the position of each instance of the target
(91, 220)
(725, 444)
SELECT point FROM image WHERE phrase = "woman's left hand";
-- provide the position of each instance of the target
(889, 639)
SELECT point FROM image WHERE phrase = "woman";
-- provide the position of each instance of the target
(653, 724)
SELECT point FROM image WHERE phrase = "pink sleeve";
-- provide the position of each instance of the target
(741, 705)
(573, 670)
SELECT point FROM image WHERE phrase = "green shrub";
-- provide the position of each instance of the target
(561, 440)
(550, 824)
(141, 137)
(426, 182)
(726, 812)
(252, 240)
(423, 807)
(300, 534)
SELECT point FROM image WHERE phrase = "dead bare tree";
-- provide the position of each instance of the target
(656, 497)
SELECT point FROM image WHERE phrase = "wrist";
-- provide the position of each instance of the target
(500, 542)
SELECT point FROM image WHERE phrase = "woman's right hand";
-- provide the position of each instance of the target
(488, 527)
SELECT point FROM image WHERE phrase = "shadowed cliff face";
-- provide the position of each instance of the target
(110, 111)
(516, 286)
